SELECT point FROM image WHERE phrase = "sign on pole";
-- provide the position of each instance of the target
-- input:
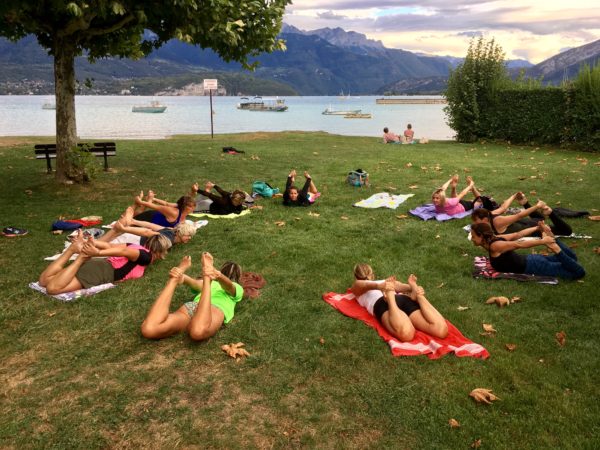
(210, 85)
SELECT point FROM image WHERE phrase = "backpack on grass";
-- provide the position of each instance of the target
(358, 178)
(264, 189)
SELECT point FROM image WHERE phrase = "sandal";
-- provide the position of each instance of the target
(14, 232)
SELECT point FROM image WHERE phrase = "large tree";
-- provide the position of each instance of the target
(235, 29)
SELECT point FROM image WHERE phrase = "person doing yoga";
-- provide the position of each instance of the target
(165, 214)
(526, 218)
(454, 204)
(303, 197)
(503, 257)
(219, 292)
(124, 262)
(222, 204)
(401, 308)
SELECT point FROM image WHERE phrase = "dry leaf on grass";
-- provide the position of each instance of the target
(533, 192)
(28, 191)
(561, 338)
(259, 207)
(510, 347)
(313, 214)
(597, 250)
(594, 218)
(344, 218)
(500, 301)
(280, 223)
(516, 299)
(51, 314)
(401, 216)
(488, 328)
(255, 158)
(321, 341)
(408, 165)
(463, 308)
(413, 186)
(481, 395)
(476, 444)
(235, 350)
(440, 285)
(453, 423)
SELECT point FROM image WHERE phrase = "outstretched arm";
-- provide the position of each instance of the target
(223, 192)
(359, 287)
(465, 191)
(502, 222)
(520, 234)
(500, 247)
(504, 206)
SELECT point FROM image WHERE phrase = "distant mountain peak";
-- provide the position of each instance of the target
(337, 36)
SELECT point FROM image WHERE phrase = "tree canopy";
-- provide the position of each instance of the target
(235, 29)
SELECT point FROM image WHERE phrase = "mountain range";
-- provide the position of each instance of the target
(318, 62)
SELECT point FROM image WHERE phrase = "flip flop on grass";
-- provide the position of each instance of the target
(14, 232)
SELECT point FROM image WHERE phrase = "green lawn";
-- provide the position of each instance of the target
(80, 375)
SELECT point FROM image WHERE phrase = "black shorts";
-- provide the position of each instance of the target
(468, 205)
(405, 304)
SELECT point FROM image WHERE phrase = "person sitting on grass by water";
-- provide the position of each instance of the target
(455, 204)
(222, 204)
(389, 137)
(503, 257)
(401, 308)
(128, 230)
(219, 292)
(303, 197)
(124, 262)
(409, 134)
(164, 213)
(526, 218)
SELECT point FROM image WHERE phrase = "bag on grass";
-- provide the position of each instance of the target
(358, 178)
(264, 189)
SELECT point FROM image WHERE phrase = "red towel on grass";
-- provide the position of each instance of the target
(422, 344)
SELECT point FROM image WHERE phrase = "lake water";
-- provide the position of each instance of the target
(110, 117)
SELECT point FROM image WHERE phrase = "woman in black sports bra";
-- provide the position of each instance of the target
(563, 263)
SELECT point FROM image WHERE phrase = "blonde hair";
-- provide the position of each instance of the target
(185, 229)
(363, 272)
(158, 245)
(442, 195)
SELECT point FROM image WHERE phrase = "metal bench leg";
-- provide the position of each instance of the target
(48, 164)
(105, 161)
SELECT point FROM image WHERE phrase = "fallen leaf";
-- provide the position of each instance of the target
(488, 327)
(516, 299)
(466, 170)
(255, 158)
(597, 250)
(344, 218)
(57, 231)
(28, 191)
(408, 165)
(476, 444)
(522, 178)
(533, 192)
(297, 218)
(500, 301)
(437, 236)
(402, 216)
(510, 347)
(561, 338)
(235, 350)
(440, 285)
(313, 214)
(321, 341)
(316, 153)
(482, 395)
(259, 207)
(51, 314)
(463, 308)
(453, 423)
(594, 218)
(413, 186)
(280, 223)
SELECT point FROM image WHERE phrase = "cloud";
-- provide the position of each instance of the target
(470, 34)
(330, 15)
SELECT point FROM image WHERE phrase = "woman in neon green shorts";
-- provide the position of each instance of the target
(219, 292)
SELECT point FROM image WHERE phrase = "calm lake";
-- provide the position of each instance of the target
(111, 117)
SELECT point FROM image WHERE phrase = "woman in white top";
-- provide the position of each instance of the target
(401, 308)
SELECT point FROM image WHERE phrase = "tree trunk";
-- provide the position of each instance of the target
(64, 89)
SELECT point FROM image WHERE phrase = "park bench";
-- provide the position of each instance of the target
(99, 149)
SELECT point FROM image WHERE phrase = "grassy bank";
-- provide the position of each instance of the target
(80, 375)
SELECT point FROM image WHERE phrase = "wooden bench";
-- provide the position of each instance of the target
(99, 149)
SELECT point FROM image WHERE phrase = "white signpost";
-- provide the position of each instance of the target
(210, 85)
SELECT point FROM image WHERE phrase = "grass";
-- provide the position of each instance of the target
(80, 375)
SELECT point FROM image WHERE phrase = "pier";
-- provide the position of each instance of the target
(410, 101)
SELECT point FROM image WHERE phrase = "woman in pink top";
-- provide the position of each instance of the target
(455, 204)
(409, 134)
(123, 262)
(389, 137)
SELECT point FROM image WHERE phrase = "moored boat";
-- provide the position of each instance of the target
(334, 112)
(258, 104)
(358, 116)
(49, 105)
(153, 107)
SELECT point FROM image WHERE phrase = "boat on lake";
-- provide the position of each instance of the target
(49, 105)
(335, 112)
(258, 104)
(358, 116)
(153, 107)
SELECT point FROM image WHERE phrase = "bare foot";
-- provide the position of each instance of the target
(177, 274)
(208, 186)
(454, 181)
(195, 188)
(138, 198)
(306, 174)
(412, 282)
(89, 249)
(207, 264)
(185, 263)
(119, 225)
(470, 181)
(77, 243)
(150, 196)
(545, 229)
(390, 284)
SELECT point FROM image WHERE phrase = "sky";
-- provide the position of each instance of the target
(533, 30)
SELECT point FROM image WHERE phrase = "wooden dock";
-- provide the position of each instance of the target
(410, 101)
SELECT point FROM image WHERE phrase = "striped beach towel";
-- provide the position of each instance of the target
(422, 344)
